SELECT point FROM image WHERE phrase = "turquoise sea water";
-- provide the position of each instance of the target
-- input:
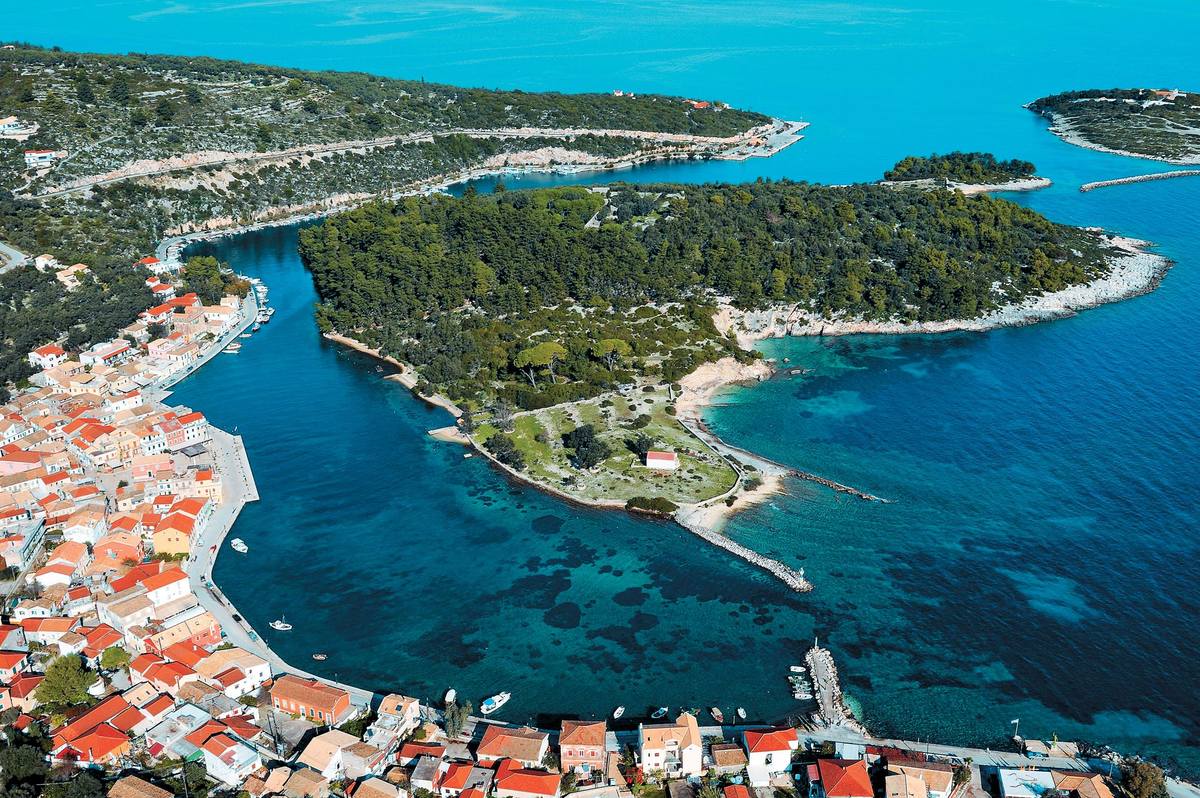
(1039, 560)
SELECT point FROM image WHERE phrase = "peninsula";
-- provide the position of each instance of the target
(1161, 124)
(579, 331)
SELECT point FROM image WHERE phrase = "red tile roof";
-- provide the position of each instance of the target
(537, 782)
(845, 778)
(771, 740)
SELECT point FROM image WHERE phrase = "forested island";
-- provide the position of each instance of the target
(960, 167)
(1162, 124)
(104, 156)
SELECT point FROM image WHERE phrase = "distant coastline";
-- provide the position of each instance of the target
(1060, 127)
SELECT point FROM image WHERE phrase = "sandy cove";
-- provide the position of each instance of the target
(1135, 271)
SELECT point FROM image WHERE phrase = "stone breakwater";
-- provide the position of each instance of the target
(790, 577)
(1120, 181)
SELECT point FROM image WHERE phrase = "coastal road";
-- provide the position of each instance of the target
(989, 758)
(218, 159)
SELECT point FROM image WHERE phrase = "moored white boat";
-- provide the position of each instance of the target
(451, 694)
(661, 712)
(281, 625)
(797, 669)
(717, 714)
(239, 545)
(320, 657)
(618, 712)
(233, 348)
(741, 713)
(493, 703)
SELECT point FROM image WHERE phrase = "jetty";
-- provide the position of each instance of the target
(1120, 181)
(832, 711)
(697, 427)
(789, 576)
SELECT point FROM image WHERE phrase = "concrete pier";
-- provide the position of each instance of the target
(831, 707)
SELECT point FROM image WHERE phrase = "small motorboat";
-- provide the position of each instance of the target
(717, 714)
(270, 311)
(239, 545)
(281, 625)
(320, 657)
(661, 712)
(233, 348)
(468, 456)
(741, 713)
(244, 335)
(797, 669)
(804, 696)
(256, 328)
(618, 712)
(451, 694)
(494, 703)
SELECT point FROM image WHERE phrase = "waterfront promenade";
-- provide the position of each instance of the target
(231, 462)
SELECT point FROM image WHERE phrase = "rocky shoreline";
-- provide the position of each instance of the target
(1060, 127)
(1134, 272)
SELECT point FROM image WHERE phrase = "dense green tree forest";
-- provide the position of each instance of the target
(960, 167)
(464, 287)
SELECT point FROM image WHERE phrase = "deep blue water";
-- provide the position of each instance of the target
(1040, 558)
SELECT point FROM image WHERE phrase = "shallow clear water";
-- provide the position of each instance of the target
(1039, 560)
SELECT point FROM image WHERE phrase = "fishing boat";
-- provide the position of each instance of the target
(281, 625)
(319, 657)
(239, 545)
(717, 714)
(618, 712)
(233, 348)
(451, 694)
(661, 712)
(741, 713)
(493, 703)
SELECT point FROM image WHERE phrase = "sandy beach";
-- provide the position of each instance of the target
(1023, 184)
(698, 387)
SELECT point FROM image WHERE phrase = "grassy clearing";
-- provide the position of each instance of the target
(616, 419)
